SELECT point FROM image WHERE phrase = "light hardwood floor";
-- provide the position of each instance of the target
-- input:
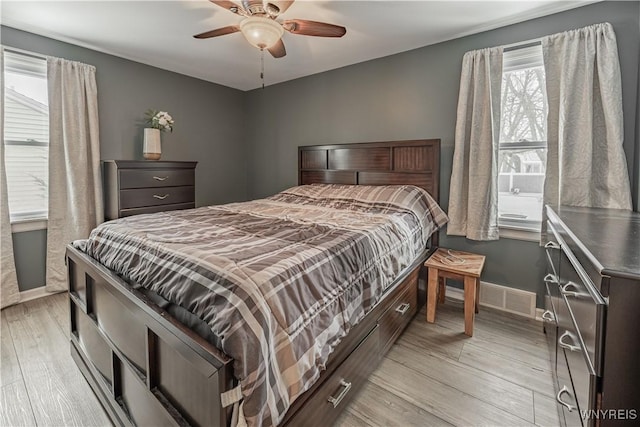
(434, 375)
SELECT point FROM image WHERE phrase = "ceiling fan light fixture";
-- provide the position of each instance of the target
(261, 32)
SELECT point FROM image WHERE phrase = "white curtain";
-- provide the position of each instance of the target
(473, 194)
(9, 292)
(585, 162)
(75, 184)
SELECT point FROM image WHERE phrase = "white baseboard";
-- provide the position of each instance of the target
(35, 293)
(503, 298)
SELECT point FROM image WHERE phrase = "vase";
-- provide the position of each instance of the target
(152, 148)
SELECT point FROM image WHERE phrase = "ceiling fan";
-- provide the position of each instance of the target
(261, 28)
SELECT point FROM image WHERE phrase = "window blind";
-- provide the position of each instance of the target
(524, 57)
(26, 135)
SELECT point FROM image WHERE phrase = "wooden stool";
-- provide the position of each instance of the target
(449, 264)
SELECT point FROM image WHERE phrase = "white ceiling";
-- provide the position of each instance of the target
(159, 33)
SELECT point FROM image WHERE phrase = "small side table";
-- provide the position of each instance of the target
(449, 264)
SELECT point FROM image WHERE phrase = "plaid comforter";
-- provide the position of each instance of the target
(281, 280)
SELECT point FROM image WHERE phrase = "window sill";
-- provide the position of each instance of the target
(20, 226)
(519, 234)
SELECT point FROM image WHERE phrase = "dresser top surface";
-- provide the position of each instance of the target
(152, 164)
(609, 237)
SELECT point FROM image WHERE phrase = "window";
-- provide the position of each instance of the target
(523, 139)
(26, 136)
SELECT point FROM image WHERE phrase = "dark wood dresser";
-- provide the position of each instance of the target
(592, 316)
(134, 187)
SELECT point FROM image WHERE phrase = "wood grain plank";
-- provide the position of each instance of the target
(360, 159)
(9, 367)
(546, 410)
(58, 392)
(518, 372)
(348, 419)
(488, 388)
(328, 177)
(377, 406)
(440, 399)
(313, 159)
(58, 305)
(16, 409)
(434, 339)
(412, 158)
(513, 344)
(512, 325)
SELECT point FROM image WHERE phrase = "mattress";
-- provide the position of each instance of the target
(279, 281)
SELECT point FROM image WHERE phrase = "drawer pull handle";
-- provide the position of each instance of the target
(567, 293)
(550, 278)
(160, 178)
(548, 316)
(335, 401)
(564, 389)
(159, 197)
(552, 245)
(403, 308)
(568, 346)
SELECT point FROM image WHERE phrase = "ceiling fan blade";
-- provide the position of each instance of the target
(278, 50)
(313, 28)
(218, 32)
(229, 5)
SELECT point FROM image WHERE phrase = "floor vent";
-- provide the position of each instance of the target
(502, 298)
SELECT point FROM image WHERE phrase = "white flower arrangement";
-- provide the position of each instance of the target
(159, 120)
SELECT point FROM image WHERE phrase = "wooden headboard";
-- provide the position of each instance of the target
(373, 163)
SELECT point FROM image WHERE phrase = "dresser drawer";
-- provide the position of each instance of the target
(585, 306)
(550, 325)
(584, 382)
(582, 373)
(144, 197)
(568, 410)
(397, 317)
(552, 250)
(552, 289)
(337, 391)
(141, 178)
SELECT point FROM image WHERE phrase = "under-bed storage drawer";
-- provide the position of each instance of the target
(398, 316)
(337, 391)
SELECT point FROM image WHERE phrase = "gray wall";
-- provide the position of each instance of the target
(414, 95)
(209, 129)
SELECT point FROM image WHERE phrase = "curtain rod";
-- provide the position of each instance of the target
(24, 52)
(522, 45)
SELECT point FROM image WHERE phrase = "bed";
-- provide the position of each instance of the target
(150, 364)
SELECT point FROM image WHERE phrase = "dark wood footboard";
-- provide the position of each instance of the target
(145, 367)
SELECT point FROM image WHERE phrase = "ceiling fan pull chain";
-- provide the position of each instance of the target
(262, 66)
